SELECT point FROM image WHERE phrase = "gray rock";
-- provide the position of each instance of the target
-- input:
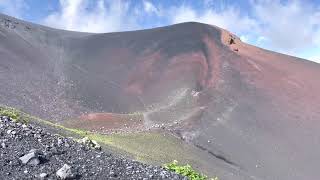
(31, 158)
(34, 161)
(64, 172)
(60, 142)
(43, 175)
(91, 143)
(96, 145)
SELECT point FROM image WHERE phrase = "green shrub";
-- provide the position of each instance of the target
(186, 170)
(13, 114)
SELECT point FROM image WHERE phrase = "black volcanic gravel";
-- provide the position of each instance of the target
(52, 152)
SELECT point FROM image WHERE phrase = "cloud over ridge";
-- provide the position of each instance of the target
(290, 27)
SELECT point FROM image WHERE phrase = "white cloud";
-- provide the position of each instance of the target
(150, 8)
(103, 16)
(230, 18)
(288, 26)
(13, 7)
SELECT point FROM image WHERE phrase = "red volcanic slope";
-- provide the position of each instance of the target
(255, 111)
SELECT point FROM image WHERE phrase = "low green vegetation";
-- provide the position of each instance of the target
(186, 170)
(13, 114)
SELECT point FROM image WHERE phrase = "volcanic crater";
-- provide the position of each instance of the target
(247, 113)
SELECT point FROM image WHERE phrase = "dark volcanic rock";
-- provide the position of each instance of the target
(33, 153)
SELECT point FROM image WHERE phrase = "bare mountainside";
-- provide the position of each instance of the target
(253, 113)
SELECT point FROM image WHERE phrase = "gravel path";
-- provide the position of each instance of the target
(30, 152)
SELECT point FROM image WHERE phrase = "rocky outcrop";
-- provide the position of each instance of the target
(30, 152)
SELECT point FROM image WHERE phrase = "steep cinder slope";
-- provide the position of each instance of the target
(253, 111)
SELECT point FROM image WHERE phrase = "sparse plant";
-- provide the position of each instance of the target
(15, 115)
(186, 170)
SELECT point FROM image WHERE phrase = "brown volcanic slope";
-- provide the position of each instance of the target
(254, 110)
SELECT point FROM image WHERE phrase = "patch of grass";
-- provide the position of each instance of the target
(149, 147)
(187, 171)
(14, 114)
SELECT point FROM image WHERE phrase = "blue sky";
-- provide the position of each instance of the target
(287, 26)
